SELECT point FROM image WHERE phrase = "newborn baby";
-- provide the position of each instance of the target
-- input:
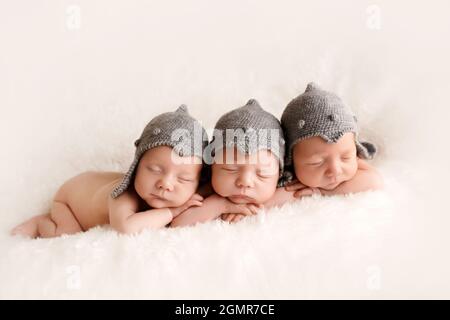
(159, 185)
(323, 146)
(247, 156)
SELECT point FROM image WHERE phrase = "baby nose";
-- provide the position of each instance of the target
(244, 181)
(334, 170)
(164, 184)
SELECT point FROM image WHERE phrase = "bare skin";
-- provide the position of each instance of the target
(243, 184)
(162, 189)
(212, 208)
(325, 169)
(78, 205)
(331, 168)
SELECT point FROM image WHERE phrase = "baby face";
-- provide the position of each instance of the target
(163, 179)
(325, 165)
(245, 178)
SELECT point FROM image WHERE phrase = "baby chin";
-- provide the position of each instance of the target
(332, 186)
(161, 203)
(239, 199)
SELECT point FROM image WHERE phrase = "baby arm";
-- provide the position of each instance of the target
(280, 197)
(211, 209)
(366, 178)
(124, 218)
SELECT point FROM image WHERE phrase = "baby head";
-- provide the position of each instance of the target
(243, 177)
(322, 139)
(168, 160)
(247, 154)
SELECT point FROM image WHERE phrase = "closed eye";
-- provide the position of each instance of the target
(230, 169)
(315, 163)
(154, 169)
(264, 174)
(185, 179)
(347, 157)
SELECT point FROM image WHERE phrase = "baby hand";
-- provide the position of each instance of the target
(232, 217)
(300, 190)
(236, 212)
(194, 201)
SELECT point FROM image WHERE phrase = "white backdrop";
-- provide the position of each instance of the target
(79, 80)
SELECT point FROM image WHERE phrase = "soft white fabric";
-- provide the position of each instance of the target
(75, 99)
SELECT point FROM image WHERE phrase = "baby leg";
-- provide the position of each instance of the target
(61, 220)
(28, 228)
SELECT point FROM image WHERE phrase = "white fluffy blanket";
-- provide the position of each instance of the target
(79, 83)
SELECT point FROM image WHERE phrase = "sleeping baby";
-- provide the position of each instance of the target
(323, 151)
(160, 184)
(323, 146)
(247, 158)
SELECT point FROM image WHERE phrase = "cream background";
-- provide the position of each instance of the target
(75, 93)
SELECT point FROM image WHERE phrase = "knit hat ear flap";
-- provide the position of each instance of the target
(159, 132)
(366, 150)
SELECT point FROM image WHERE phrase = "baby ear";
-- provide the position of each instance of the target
(366, 150)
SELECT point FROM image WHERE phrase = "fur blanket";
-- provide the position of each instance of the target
(79, 82)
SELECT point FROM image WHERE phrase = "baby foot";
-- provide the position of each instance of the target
(28, 228)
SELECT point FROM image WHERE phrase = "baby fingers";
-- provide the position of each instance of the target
(245, 210)
(230, 217)
(254, 208)
(237, 218)
(306, 192)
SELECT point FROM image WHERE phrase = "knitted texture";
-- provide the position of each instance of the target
(317, 112)
(174, 129)
(249, 128)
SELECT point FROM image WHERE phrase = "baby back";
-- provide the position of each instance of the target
(87, 196)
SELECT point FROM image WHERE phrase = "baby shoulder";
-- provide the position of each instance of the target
(364, 165)
(128, 200)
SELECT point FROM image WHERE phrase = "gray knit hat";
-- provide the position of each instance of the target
(320, 113)
(250, 128)
(174, 129)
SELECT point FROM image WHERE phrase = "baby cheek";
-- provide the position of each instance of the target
(314, 178)
(142, 183)
(181, 195)
(308, 176)
(222, 183)
(351, 169)
(266, 191)
(214, 181)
